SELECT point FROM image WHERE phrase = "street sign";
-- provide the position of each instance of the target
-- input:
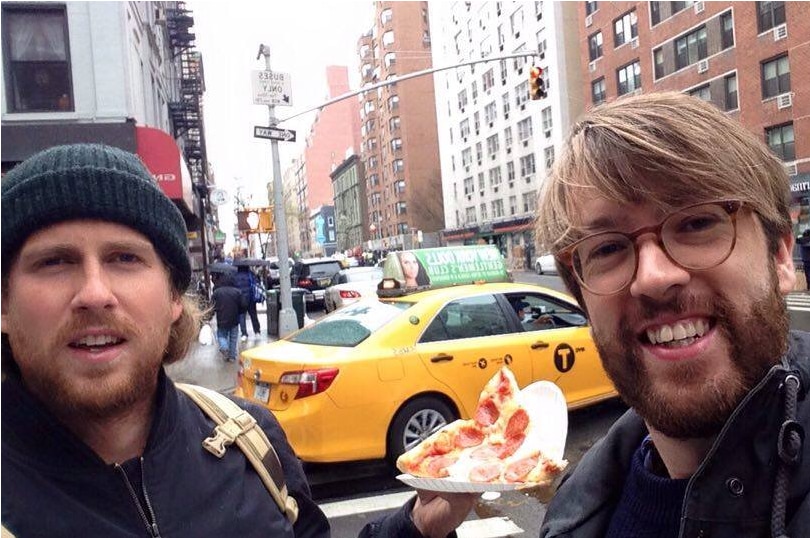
(271, 88)
(218, 197)
(274, 133)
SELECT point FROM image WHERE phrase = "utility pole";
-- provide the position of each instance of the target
(287, 319)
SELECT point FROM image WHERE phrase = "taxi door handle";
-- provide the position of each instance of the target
(441, 357)
(540, 345)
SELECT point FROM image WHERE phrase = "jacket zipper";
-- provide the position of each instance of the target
(151, 527)
(782, 366)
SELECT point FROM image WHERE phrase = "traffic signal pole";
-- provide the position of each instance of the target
(287, 319)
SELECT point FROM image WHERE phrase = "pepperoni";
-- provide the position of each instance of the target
(469, 436)
(517, 424)
(517, 470)
(510, 446)
(483, 453)
(486, 472)
(436, 466)
(487, 413)
(442, 444)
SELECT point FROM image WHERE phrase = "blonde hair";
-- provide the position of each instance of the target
(667, 149)
(184, 331)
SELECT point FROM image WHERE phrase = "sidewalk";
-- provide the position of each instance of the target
(203, 365)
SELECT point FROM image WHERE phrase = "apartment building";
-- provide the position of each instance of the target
(750, 59)
(125, 74)
(496, 144)
(399, 148)
(349, 186)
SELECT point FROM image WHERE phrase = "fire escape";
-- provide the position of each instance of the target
(186, 115)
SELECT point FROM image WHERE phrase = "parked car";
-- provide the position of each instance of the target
(314, 275)
(273, 270)
(349, 285)
(545, 264)
(376, 377)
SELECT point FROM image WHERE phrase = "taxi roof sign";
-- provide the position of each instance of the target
(415, 270)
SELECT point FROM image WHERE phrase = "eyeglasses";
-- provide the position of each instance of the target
(696, 237)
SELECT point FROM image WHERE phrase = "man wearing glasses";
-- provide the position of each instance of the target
(669, 222)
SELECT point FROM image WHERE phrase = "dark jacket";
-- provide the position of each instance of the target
(244, 279)
(731, 493)
(55, 485)
(228, 302)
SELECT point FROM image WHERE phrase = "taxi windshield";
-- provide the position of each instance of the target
(351, 325)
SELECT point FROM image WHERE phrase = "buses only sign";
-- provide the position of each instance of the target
(270, 88)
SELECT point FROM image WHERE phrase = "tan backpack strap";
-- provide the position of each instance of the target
(235, 425)
(5, 533)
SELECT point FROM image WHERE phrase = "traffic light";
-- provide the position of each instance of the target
(537, 86)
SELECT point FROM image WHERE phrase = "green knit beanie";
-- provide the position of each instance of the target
(91, 181)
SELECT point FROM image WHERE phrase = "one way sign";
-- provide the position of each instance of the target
(273, 133)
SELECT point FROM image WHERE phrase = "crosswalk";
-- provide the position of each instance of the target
(361, 509)
(799, 302)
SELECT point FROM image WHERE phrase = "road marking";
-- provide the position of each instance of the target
(364, 505)
(493, 527)
(799, 302)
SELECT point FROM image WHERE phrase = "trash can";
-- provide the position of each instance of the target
(299, 304)
(273, 307)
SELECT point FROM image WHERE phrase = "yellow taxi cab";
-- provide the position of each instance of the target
(376, 377)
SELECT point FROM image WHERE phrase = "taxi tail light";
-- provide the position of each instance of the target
(304, 282)
(310, 382)
(349, 294)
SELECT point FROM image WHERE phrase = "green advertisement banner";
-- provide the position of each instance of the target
(446, 266)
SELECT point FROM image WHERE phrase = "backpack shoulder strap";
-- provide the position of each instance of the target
(234, 424)
(5, 533)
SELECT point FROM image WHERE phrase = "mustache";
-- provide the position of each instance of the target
(80, 321)
(646, 307)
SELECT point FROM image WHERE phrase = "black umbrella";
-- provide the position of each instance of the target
(221, 267)
(251, 262)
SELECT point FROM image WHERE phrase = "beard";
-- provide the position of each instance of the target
(685, 403)
(95, 394)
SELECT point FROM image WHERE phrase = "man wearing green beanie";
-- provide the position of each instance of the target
(96, 439)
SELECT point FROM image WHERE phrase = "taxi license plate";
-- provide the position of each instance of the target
(324, 282)
(261, 392)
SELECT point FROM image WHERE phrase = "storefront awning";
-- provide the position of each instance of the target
(160, 154)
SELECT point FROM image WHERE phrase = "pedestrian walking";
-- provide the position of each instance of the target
(246, 281)
(804, 250)
(94, 274)
(229, 305)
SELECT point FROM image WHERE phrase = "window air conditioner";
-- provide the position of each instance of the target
(784, 101)
(634, 43)
(703, 66)
(591, 66)
(588, 21)
(780, 32)
(699, 7)
(547, 133)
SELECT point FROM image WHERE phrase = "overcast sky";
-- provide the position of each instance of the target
(304, 37)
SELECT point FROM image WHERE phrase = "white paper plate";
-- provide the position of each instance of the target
(456, 486)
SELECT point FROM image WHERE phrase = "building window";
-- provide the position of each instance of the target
(479, 152)
(497, 209)
(775, 77)
(393, 102)
(483, 211)
(402, 227)
(780, 140)
(396, 144)
(488, 80)
(529, 202)
(548, 155)
(629, 78)
(625, 28)
(691, 48)
(730, 90)
(385, 16)
(590, 7)
(505, 99)
(727, 29)
(493, 144)
(481, 183)
(393, 124)
(598, 93)
(512, 205)
(595, 46)
(545, 114)
(655, 12)
(388, 38)
(38, 76)
(658, 61)
(701, 92)
(474, 90)
(466, 157)
(524, 129)
(468, 185)
(398, 165)
(507, 137)
(527, 166)
(490, 112)
(510, 171)
(522, 93)
(462, 99)
(516, 20)
(770, 14)
(390, 59)
(399, 186)
(464, 128)
(495, 178)
(679, 6)
(401, 208)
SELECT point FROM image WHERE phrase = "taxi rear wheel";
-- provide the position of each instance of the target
(416, 422)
